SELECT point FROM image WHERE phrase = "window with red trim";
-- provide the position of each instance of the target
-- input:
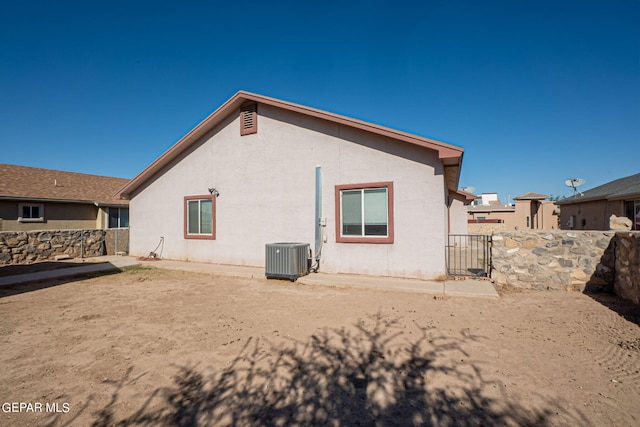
(364, 213)
(200, 217)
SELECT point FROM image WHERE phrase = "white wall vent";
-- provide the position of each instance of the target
(287, 260)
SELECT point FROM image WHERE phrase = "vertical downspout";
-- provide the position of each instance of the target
(447, 201)
(318, 218)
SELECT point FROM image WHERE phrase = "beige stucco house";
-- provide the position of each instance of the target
(246, 177)
(46, 199)
(531, 211)
(591, 209)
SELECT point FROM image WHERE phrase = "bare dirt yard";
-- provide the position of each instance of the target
(157, 347)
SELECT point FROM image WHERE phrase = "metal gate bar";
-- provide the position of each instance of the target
(468, 255)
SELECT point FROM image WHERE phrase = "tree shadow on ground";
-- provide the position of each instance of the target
(38, 284)
(371, 375)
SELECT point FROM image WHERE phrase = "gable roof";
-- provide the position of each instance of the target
(450, 155)
(627, 187)
(469, 197)
(36, 184)
(531, 196)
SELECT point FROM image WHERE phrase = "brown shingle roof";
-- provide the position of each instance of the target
(22, 182)
(627, 187)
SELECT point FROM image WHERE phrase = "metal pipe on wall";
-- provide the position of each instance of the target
(318, 218)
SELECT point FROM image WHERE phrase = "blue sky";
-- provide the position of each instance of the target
(535, 92)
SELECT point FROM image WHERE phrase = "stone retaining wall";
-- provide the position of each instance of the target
(23, 247)
(568, 260)
(627, 266)
(552, 259)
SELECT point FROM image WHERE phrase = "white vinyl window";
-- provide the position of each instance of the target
(200, 216)
(364, 212)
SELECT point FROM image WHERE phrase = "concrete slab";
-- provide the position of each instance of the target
(373, 282)
(239, 271)
(470, 288)
(467, 288)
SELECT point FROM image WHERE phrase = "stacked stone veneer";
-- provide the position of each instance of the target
(22, 247)
(552, 259)
(568, 260)
(627, 266)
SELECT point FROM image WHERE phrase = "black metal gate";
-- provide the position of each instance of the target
(469, 255)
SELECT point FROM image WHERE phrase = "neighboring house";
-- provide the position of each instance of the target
(45, 199)
(459, 202)
(530, 212)
(591, 209)
(387, 197)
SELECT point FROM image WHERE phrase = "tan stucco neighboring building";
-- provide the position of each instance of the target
(246, 177)
(529, 212)
(46, 199)
(592, 209)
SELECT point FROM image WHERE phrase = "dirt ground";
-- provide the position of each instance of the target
(157, 347)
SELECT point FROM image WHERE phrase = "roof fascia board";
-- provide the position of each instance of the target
(177, 148)
(445, 151)
(625, 196)
(468, 196)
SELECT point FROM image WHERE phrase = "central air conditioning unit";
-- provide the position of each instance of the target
(287, 260)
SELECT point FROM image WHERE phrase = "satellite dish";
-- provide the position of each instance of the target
(574, 183)
(469, 189)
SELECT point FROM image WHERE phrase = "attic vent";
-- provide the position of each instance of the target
(248, 119)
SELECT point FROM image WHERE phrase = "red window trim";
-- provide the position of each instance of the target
(211, 236)
(350, 239)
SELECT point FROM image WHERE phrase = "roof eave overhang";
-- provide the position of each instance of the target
(469, 197)
(450, 155)
(50, 200)
(581, 199)
(627, 196)
(529, 199)
(513, 209)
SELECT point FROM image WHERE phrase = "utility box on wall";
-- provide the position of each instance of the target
(287, 260)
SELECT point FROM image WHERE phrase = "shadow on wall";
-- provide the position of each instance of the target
(604, 275)
(601, 285)
(374, 375)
